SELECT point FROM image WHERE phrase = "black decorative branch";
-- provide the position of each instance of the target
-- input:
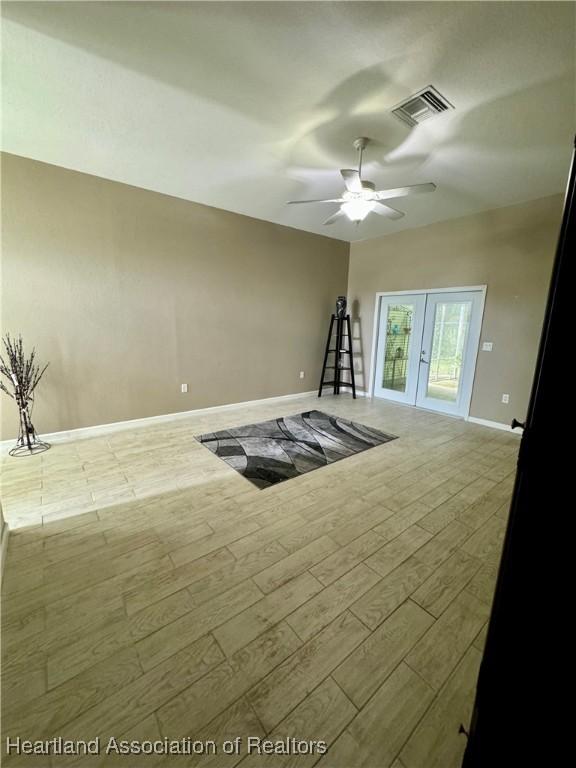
(23, 375)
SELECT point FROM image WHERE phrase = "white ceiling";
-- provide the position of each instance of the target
(244, 106)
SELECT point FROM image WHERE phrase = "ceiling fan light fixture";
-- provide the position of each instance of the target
(360, 197)
(357, 210)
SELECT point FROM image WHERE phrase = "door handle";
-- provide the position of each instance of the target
(422, 357)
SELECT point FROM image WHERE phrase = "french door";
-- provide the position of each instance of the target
(426, 350)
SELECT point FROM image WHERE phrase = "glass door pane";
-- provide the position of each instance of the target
(449, 337)
(448, 352)
(398, 333)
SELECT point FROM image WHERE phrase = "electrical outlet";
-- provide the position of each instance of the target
(487, 346)
(506, 399)
(301, 374)
(183, 388)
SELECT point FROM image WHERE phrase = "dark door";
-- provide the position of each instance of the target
(523, 681)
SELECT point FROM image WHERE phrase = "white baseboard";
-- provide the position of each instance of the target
(120, 426)
(3, 548)
(495, 425)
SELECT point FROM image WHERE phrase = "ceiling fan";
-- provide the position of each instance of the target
(361, 197)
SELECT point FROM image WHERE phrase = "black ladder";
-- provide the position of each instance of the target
(339, 349)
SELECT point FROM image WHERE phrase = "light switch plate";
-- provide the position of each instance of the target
(487, 346)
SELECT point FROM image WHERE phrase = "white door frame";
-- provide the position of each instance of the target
(456, 289)
(408, 395)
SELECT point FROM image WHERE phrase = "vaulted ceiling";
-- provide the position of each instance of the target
(245, 105)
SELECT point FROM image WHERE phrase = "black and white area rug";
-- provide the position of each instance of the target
(273, 451)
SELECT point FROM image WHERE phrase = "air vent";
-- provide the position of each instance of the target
(422, 106)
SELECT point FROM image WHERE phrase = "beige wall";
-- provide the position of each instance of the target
(129, 293)
(511, 250)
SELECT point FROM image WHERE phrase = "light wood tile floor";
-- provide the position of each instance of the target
(151, 591)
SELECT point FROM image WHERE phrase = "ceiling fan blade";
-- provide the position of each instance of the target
(335, 217)
(415, 189)
(385, 210)
(352, 180)
(299, 202)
